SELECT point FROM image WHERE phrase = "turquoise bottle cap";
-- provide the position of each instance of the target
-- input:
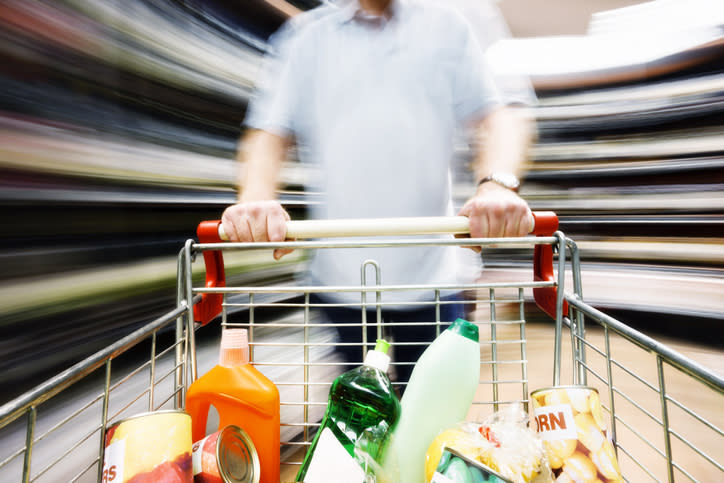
(465, 328)
(382, 346)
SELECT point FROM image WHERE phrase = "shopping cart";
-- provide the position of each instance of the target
(664, 409)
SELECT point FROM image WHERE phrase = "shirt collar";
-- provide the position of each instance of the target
(352, 10)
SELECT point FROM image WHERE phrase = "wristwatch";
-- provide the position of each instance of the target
(506, 180)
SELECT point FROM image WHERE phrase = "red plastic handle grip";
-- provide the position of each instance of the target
(210, 304)
(546, 224)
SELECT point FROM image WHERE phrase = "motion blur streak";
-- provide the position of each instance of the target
(119, 123)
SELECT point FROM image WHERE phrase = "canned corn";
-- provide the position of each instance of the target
(570, 422)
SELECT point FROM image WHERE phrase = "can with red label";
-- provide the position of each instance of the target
(227, 456)
(569, 420)
(149, 447)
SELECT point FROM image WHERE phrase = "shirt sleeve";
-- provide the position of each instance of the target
(489, 27)
(474, 89)
(275, 104)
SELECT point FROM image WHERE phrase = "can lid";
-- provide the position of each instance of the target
(236, 455)
(157, 412)
(569, 386)
(465, 329)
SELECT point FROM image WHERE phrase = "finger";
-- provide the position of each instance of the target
(229, 229)
(280, 252)
(530, 223)
(228, 224)
(527, 222)
(478, 220)
(519, 220)
(234, 226)
(257, 221)
(276, 225)
(496, 221)
(243, 230)
(277, 230)
(515, 225)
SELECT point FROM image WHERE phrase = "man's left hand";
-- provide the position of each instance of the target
(497, 212)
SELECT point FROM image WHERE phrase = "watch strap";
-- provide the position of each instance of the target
(491, 177)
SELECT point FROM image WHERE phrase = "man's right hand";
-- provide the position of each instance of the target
(257, 221)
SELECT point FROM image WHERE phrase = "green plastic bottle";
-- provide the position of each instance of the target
(362, 411)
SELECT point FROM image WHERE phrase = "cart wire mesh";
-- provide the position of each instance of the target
(659, 413)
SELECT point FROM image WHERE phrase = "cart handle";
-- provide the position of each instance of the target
(543, 223)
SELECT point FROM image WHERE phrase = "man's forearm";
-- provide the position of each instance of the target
(505, 136)
(260, 156)
(495, 210)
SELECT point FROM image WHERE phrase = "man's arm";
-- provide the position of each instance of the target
(260, 156)
(258, 216)
(495, 211)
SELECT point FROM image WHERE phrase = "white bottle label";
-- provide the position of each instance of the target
(440, 478)
(113, 462)
(331, 463)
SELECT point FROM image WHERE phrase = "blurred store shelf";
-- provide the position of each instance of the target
(631, 155)
(619, 46)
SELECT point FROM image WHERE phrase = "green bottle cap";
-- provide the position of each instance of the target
(382, 346)
(465, 328)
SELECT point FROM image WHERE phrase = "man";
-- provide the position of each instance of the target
(374, 92)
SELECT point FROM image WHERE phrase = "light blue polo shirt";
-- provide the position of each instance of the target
(375, 102)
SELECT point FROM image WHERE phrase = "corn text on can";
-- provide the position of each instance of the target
(149, 447)
(570, 422)
(227, 456)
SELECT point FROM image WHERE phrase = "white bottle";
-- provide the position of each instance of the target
(440, 392)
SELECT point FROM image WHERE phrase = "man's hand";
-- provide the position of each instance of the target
(497, 212)
(257, 221)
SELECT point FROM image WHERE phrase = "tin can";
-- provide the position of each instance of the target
(570, 422)
(227, 456)
(149, 447)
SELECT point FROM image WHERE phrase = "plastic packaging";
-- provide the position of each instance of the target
(503, 443)
(362, 411)
(439, 394)
(513, 448)
(243, 397)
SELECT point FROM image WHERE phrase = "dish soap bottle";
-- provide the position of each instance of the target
(440, 392)
(243, 397)
(362, 411)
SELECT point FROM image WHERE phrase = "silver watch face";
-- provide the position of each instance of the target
(505, 179)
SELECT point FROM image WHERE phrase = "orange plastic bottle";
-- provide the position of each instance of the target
(243, 396)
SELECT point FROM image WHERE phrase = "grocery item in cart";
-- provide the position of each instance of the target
(243, 397)
(503, 443)
(226, 456)
(148, 448)
(512, 448)
(455, 467)
(439, 395)
(362, 411)
(574, 432)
